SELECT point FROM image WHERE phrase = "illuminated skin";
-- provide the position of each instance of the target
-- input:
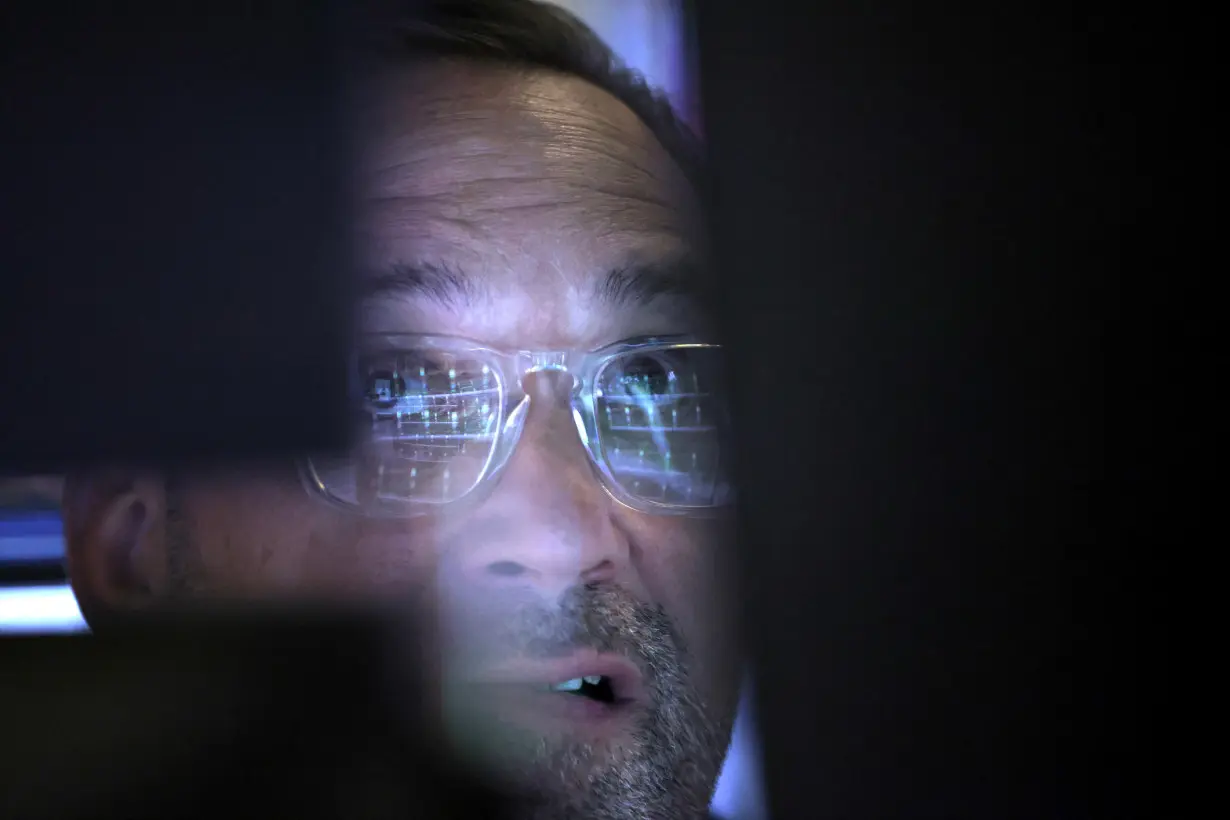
(534, 187)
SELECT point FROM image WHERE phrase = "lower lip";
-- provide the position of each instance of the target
(526, 703)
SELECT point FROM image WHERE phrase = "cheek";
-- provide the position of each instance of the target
(685, 564)
(254, 534)
(388, 558)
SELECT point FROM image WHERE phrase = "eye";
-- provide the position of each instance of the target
(418, 372)
(383, 384)
(425, 424)
(659, 387)
(643, 374)
(659, 415)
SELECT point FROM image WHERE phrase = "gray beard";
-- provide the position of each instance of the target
(669, 768)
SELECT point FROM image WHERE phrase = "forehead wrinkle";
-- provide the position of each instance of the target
(575, 141)
(562, 104)
(427, 166)
(440, 156)
(463, 182)
(413, 222)
(539, 106)
(484, 212)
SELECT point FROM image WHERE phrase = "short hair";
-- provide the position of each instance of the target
(534, 34)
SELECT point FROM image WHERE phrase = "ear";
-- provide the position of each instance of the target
(115, 544)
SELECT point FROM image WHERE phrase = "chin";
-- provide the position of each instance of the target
(633, 773)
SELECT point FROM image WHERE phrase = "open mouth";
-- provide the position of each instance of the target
(586, 687)
(598, 688)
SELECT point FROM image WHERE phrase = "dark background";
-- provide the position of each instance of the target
(924, 217)
(175, 216)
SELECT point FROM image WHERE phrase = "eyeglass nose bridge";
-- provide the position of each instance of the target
(527, 363)
(530, 362)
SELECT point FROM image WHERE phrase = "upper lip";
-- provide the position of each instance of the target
(626, 679)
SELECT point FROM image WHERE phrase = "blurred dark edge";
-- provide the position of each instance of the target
(176, 209)
(30, 494)
(273, 711)
(922, 216)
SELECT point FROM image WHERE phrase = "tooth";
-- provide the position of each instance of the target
(568, 685)
(592, 680)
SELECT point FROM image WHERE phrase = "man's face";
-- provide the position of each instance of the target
(524, 211)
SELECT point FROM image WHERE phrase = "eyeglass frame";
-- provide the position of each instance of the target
(585, 367)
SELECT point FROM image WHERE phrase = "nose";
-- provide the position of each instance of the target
(548, 525)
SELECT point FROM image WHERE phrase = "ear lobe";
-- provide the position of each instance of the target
(114, 543)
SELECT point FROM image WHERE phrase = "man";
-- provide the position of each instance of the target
(538, 402)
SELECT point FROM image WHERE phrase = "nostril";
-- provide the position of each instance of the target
(505, 569)
(599, 574)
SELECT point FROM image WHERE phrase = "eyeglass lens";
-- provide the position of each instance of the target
(429, 422)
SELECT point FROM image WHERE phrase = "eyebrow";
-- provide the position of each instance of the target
(628, 286)
(441, 284)
(642, 284)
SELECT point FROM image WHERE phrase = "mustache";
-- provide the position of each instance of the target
(604, 618)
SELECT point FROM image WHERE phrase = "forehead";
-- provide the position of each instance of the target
(522, 208)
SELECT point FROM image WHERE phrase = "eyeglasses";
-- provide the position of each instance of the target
(439, 419)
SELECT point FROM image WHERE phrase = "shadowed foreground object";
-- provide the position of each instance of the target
(274, 713)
